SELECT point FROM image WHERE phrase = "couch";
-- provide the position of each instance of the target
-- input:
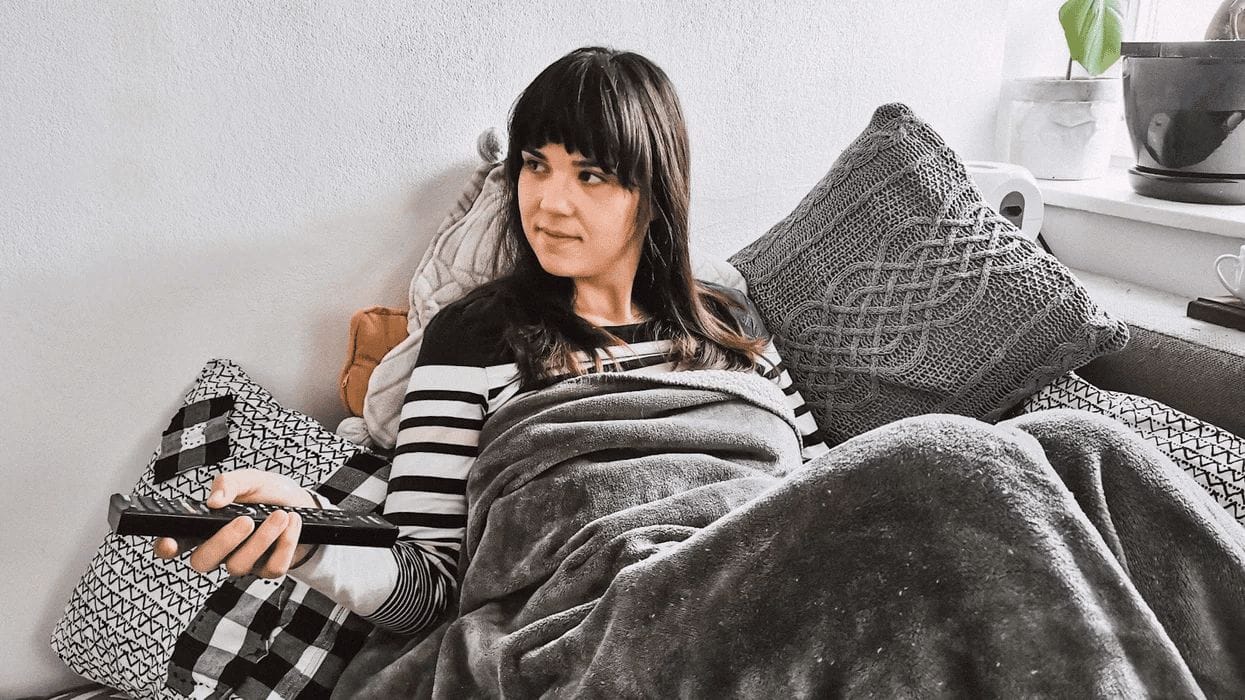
(1194, 367)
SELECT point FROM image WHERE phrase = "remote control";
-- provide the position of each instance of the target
(180, 517)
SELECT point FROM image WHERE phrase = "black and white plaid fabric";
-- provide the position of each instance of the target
(197, 436)
(1214, 457)
(277, 638)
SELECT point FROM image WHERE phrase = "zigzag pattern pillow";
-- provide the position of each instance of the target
(128, 611)
(1213, 456)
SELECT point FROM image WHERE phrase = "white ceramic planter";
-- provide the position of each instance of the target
(1061, 129)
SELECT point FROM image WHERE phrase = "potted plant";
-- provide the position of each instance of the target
(1064, 128)
(1184, 103)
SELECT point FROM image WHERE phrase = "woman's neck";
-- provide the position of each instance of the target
(605, 304)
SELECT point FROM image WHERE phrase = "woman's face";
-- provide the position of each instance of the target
(578, 219)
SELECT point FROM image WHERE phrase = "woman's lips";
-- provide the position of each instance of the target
(555, 234)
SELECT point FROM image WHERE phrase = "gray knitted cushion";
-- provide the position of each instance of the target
(893, 290)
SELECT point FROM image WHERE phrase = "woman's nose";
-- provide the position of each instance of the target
(555, 195)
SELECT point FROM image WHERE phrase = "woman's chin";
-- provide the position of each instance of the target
(559, 271)
(560, 268)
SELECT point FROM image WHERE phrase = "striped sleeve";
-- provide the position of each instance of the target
(436, 446)
(771, 367)
(408, 587)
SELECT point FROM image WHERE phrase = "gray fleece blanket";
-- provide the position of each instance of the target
(633, 536)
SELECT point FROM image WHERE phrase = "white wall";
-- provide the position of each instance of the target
(1035, 43)
(187, 180)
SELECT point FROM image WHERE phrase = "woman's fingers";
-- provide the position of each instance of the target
(266, 551)
(282, 554)
(216, 548)
(165, 547)
(257, 486)
(235, 486)
(242, 546)
(248, 558)
(169, 548)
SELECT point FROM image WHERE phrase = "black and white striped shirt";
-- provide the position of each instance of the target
(463, 375)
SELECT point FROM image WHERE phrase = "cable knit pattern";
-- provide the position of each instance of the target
(894, 290)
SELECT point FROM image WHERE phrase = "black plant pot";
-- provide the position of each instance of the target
(1185, 108)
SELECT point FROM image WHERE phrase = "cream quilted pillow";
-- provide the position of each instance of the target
(460, 259)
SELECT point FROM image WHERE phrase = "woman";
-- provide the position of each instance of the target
(981, 559)
(596, 277)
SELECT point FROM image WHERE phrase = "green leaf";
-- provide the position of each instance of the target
(1094, 30)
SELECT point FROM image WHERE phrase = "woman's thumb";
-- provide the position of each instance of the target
(227, 487)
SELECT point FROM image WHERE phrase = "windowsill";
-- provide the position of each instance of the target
(1111, 195)
(1158, 311)
(1103, 227)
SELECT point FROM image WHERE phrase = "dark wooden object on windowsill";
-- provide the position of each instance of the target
(1221, 311)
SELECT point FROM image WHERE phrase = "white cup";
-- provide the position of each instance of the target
(1234, 281)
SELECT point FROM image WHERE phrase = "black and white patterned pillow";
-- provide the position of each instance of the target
(1214, 457)
(235, 637)
(94, 691)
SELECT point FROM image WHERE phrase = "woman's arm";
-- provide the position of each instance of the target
(408, 587)
(748, 318)
(771, 367)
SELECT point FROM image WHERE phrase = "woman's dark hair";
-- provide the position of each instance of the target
(619, 109)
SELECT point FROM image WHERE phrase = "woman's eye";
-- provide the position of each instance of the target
(531, 164)
(589, 174)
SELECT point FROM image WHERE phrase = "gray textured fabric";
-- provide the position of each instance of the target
(1202, 381)
(633, 536)
(893, 290)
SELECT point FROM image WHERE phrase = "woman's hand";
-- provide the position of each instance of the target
(266, 551)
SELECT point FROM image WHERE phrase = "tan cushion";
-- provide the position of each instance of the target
(374, 331)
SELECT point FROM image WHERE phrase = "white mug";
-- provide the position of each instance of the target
(1235, 281)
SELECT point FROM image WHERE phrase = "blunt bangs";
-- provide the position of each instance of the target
(591, 104)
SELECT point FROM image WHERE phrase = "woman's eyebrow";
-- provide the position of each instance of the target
(581, 162)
